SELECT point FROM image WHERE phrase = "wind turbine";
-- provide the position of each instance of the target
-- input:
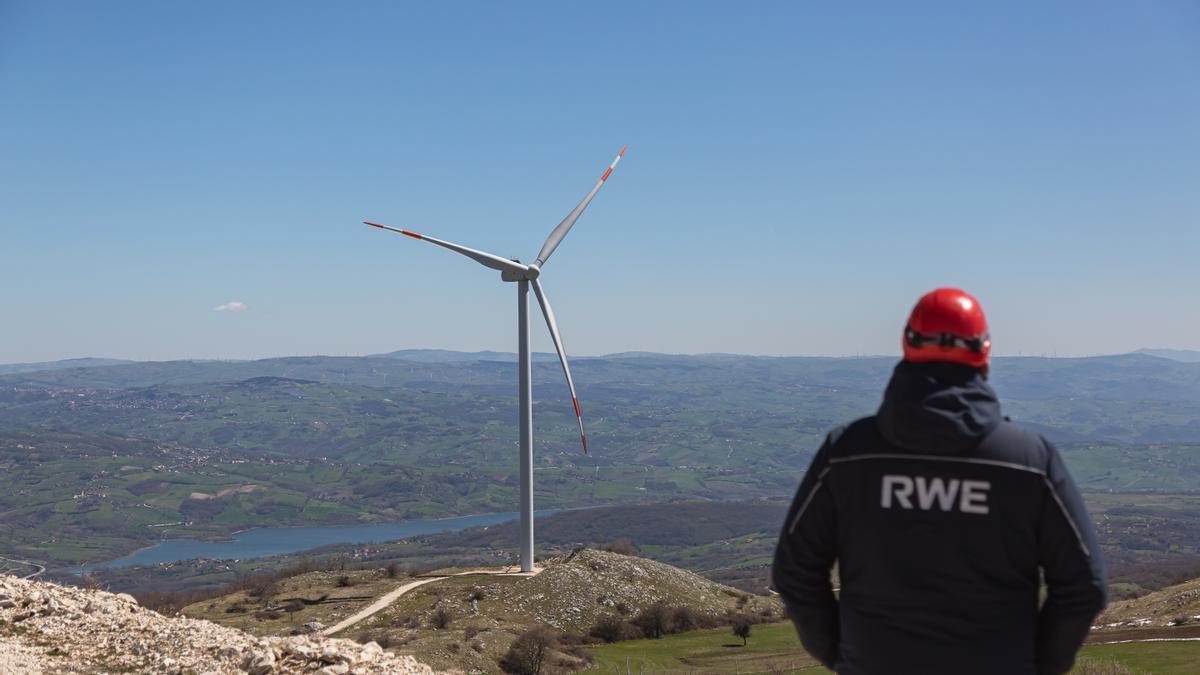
(525, 276)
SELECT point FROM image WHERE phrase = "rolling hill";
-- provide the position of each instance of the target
(470, 621)
(110, 455)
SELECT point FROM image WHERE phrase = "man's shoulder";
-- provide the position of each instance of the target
(852, 438)
(1012, 443)
(1008, 443)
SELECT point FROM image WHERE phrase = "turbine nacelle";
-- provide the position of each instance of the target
(529, 274)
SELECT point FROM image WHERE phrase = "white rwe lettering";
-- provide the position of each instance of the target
(969, 496)
(974, 496)
(930, 488)
(901, 487)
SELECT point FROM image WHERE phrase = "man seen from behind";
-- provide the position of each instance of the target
(942, 518)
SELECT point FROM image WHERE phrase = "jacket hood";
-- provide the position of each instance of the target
(941, 408)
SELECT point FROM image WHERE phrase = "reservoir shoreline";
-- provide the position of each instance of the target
(261, 542)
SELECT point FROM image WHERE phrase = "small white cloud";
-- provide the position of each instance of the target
(233, 306)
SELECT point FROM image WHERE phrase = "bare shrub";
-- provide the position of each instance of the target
(530, 652)
(441, 618)
(655, 620)
(610, 628)
(393, 570)
(683, 619)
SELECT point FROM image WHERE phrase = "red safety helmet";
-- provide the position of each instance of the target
(948, 325)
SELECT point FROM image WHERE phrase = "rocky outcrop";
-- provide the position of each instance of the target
(46, 628)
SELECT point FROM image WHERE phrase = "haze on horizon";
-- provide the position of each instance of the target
(188, 181)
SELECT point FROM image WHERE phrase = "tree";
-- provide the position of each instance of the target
(654, 621)
(741, 628)
(529, 652)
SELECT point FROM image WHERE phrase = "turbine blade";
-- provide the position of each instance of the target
(486, 259)
(564, 227)
(562, 355)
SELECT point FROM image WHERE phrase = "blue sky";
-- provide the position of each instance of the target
(797, 174)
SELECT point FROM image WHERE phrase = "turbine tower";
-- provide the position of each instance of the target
(525, 276)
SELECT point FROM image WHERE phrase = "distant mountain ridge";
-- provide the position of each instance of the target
(1125, 377)
(10, 368)
(450, 356)
(1182, 355)
(454, 356)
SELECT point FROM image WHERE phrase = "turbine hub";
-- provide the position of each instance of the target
(529, 275)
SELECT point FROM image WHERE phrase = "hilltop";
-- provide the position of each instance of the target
(46, 628)
(1173, 606)
(467, 620)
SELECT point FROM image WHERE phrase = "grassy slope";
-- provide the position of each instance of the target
(774, 648)
(1158, 658)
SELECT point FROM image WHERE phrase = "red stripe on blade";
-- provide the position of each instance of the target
(414, 235)
(605, 176)
(584, 443)
(622, 152)
(576, 402)
(367, 222)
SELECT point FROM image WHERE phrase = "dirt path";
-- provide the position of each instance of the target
(392, 596)
(39, 569)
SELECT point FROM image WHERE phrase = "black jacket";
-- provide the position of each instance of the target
(939, 514)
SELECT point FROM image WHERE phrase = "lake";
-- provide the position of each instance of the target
(265, 541)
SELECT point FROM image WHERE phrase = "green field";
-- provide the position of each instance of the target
(1157, 658)
(772, 648)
